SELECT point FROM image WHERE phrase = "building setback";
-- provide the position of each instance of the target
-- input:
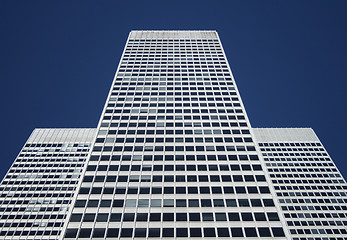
(309, 188)
(174, 157)
(37, 192)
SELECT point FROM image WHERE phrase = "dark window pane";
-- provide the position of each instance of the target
(181, 232)
(80, 203)
(105, 203)
(128, 217)
(251, 232)
(234, 216)
(71, 233)
(223, 232)
(247, 216)
(207, 217)
(236, 232)
(141, 217)
(115, 217)
(168, 232)
(76, 217)
(195, 232)
(89, 217)
(99, 232)
(268, 203)
(181, 217)
(272, 216)
(209, 232)
(102, 217)
(126, 232)
(194, 217)
(118, 203)
(85, 233)
(264, 232)
(168, 217)
(277, 232)
(93, 203)
(221, 217)
(154, 232)
(140, 232)
(260, 216)
(154, 217)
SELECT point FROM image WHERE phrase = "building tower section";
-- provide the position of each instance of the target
(174, 156)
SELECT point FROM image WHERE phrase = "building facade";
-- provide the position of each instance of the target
(37, 192)
(174, 157)
(309, 187)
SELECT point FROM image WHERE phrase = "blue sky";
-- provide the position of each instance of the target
(58, 58)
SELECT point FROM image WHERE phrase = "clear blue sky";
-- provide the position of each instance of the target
(58, 58)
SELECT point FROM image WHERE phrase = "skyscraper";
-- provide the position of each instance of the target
(174, 156)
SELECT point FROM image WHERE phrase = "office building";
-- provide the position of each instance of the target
(174, 157)
(37, 192)
(309, 188)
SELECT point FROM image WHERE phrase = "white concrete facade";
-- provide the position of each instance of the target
(173, 157)
(308, 185)
(37, 192)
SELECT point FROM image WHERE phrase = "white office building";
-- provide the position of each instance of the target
(37, 192)
(174, 157)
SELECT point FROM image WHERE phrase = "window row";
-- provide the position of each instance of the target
(34, 164)
(177, 178)
(156, 74)
(30, 233)
(170, 232)
(174, 148)
(34, 216)
(47, 170)
(293, 149)
(309, 187)
(161, 88)
(171, 99)
(60, 154)
(306, 175)
(304, 159)
(314, 214)
(290, 144)
(302, 169)
(171, 110)
(178, 105)
(119, 203)
(55, 159)
(140, 81)
(168, 93)
(172, 217)
(323, 181)
(47, 182)
(173, 158)
(318, 231)
(175, 190)
(176, 117)
(32, 224)
(178, 139)
(296, 154)
(317, 223)
(37, 201)
(313, 200)
(303, 164)
(200, 167)
(311, 194)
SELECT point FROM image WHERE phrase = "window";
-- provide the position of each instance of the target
(209, 232)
